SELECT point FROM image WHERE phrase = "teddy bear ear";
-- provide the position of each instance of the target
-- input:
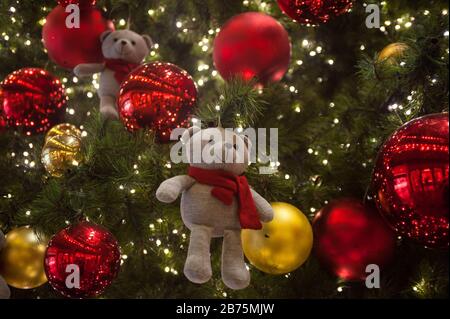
(189, 133)
(104, 35)
(148, 41)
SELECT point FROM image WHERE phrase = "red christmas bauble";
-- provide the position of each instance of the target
(410, 180)
(82, 260)
(32, 100)
(314, 11)
(158, 96)
(348, 236)
(69, 47)
(81, 3)
(252, 45)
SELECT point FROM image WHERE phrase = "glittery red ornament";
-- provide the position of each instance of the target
(32, 100)
(81, 3)
(69, 47)
(348, 236)
(410, 180)
(252, 45)
(314, 11)
(158, 96)
(90, 248)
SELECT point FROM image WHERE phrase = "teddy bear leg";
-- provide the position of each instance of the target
(108, 107)
(4, 289)
(235, 274)
(198, 262)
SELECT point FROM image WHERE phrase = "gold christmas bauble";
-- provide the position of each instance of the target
(62, 149)
(22, 259)
(392, 53)
(283, 244)
(63, 129)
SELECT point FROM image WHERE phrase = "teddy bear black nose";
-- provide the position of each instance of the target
(123, 42)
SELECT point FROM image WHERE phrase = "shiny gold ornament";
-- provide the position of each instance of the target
(283, 244)
(62, 149)
(63, 129)
(22, 259)
(392, 53)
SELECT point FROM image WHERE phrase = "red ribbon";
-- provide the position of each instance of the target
(226, 186)
(120, 67)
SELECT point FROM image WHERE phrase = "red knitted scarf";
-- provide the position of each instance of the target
(120, 67)
(226, 185)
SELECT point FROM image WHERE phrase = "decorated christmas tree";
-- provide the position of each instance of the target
(346, 194)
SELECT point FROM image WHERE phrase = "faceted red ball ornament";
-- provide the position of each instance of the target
(158, 96)
(348, 236)
(410, 180)
(252, 45)
(84, 249)
(32, 100)
(81, 3)
(69, 47)
(314, 11)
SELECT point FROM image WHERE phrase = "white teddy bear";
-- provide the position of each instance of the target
(216, 201)
(123, 51)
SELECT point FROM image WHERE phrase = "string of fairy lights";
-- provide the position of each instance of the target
(303, 50)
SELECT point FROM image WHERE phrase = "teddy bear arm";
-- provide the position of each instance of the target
(263, 207)
(87, 69)
(171, 188)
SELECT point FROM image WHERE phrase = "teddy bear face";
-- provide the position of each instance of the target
(125, 45)
(217, 149)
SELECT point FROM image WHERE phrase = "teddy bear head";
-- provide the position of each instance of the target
(125, 45)
(217, 149)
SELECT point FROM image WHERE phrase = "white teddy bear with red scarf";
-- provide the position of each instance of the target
(216, 201)
(124, 51)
